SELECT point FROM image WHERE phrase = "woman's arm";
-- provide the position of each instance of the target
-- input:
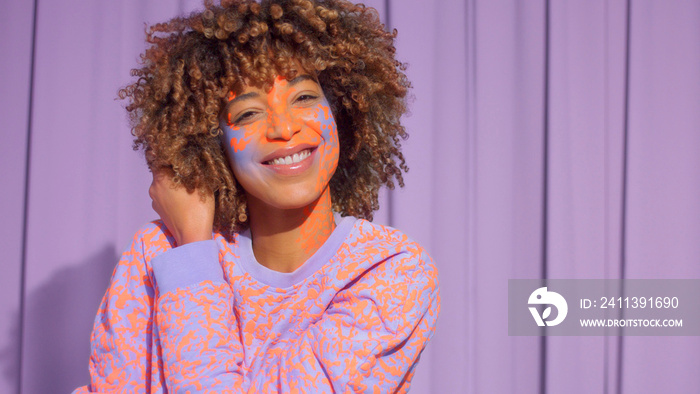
(199, 336)
(125, 349)
(122, 340)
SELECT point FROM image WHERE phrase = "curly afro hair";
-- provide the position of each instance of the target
(193, 62)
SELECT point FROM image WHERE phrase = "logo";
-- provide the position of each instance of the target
(543, 297)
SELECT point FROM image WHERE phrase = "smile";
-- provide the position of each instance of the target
(291, 159)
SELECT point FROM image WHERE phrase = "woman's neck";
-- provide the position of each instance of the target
(283, 239)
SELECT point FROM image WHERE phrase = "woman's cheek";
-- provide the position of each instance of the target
(329, 133)
(239, 145)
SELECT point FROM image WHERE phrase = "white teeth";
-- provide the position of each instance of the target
(291, 159)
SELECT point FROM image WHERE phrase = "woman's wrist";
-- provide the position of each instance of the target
(194, 237)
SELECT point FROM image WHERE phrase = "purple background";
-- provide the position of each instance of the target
(552, 139)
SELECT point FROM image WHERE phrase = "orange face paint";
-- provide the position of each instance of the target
(283, 144)
(319, 226)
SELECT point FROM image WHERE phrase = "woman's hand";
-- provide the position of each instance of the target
(188, 216)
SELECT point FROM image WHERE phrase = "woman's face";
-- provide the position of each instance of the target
(283, 144)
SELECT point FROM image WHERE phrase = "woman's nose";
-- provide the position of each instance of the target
(283, 126)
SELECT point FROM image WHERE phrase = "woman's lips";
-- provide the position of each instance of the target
(286, 151)
(291, 159)
(292, 164)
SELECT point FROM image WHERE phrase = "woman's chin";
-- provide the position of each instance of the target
(290, 200)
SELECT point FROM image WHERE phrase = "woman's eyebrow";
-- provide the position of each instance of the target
(243, 97)
(303, 77)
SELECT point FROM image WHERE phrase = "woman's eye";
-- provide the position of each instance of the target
(305, 98)
(243, 117)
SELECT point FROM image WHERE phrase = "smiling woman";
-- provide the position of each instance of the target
(269, 128)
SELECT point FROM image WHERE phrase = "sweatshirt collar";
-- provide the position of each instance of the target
(283, 279)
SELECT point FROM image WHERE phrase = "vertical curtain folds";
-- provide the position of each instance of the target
(547, 138)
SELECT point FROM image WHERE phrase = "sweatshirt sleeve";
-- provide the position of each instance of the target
(368, 340)
(122, 340)
(199, 336)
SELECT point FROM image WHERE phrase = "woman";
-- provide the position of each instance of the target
(269, 129)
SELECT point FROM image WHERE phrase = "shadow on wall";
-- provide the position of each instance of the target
(58, 323)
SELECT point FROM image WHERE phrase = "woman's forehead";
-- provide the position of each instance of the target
(287, 68)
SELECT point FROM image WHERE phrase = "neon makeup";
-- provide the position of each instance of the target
(283, 144)
(319, 225)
